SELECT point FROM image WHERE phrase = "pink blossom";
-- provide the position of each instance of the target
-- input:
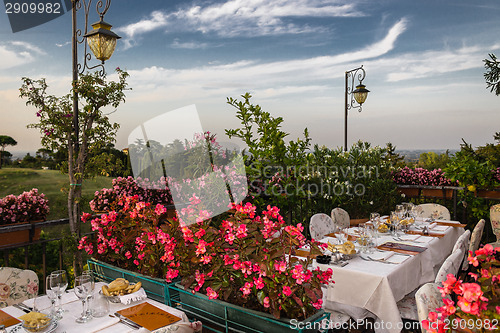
(266, 302)
(287, 290)
(212, 294)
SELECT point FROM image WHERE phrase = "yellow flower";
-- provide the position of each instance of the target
(472, 188)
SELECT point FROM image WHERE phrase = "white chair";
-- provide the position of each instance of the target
(475, 238)
(434, 211)
(320, 225)
(451, 265)
(408, 307)
(341, 218)
(462, 243)
(17, 285)
(495, 223)
(428, 298)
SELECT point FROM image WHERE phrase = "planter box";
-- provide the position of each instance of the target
(437, 193)
(228, 317)
(492, 194)
(15, 237)
(157, 289)
(409, 192)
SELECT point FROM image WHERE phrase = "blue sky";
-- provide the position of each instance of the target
(423, 61)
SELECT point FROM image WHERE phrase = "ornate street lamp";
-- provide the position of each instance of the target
(102, 43)
(357, 96)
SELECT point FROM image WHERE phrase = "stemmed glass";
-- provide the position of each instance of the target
(52, 296)
(375, 219)
(58, 284)
(91, 296)
(83, 289)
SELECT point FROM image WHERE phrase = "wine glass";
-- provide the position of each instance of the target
(52, 297)
(83, 288)
(91, 296)
(58, 284)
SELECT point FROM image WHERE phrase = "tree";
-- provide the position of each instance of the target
(56, 125)
(492, 74)
(5, 141)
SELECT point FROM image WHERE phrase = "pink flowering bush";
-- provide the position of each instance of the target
(421, 176)
(244, 261)
(146, 191)
(28, 206)
(475, 305)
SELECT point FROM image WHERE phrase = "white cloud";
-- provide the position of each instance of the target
(17, 53)
(242, 18)
(188, 45)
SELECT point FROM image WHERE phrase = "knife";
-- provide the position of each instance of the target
(127, 321)
(23, 307)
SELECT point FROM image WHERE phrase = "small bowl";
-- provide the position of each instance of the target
(38, 327)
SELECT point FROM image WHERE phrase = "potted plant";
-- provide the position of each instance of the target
(474, 306)
(246, 261)
(27, 208)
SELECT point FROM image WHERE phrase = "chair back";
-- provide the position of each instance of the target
(320, 225)
(434, 211)
(475, 238)
(495, 220)
(341, 218)
(451, 265)
(463, 244)
(17, 285)
(428, 298)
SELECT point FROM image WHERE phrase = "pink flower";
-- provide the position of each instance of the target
(160, 209)
(287, 290)
(247, 288)
(259, 283)
(266, 302)
(212, 294)
(472, 292)
(318, 304)
(128, 255)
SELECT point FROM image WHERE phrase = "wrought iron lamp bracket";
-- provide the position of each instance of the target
(350, 77)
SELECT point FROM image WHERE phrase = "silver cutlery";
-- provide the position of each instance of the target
(126, 321)
(23, 307)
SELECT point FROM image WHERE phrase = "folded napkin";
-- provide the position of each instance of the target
(437, 228)
(425, 239)
(397, 258)
(409, 237)
(447, 221)
(381, 256)
(139, 295)
(43, 302)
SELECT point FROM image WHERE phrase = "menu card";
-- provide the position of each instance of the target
(7, 320)
(149, 316)
(402, 248)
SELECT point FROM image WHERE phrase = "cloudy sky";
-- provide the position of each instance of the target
(423, 60)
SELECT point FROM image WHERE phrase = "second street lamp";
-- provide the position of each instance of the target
(357, 96)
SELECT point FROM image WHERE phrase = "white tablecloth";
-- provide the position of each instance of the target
(73, 309)
(372, 289)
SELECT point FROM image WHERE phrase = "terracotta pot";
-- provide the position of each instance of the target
(488, 194)
(437, 193)
(18, 236)
(409, 192)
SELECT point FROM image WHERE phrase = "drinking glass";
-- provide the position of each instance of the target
(83, 288)
(395, 224)
(400, 211)
(91, 296)
(58, 284)
(370, 237)
(342, 235)
(52, 297)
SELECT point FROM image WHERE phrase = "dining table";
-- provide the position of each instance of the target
(109, 323)
(370, 285)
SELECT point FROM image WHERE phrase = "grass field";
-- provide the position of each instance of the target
(52, 183)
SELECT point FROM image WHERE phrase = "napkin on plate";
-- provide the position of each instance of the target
(381, 256)
(410, 238)
(397, 258)
(447, 221)
(437, 228)
(139, 295)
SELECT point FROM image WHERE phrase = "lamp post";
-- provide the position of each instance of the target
(102, 43)
(357, 96)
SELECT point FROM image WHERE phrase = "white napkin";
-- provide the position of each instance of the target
(398, 258)
(408, 237)
(448, 221)
(139, 295)
(438, 228)
(43, 302)
(382, 256)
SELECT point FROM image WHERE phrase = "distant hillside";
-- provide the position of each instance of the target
(412, 155)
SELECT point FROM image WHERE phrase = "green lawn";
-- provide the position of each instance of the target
(52, 183)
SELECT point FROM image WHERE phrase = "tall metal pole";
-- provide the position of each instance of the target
(74, 51)
(346, 108)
